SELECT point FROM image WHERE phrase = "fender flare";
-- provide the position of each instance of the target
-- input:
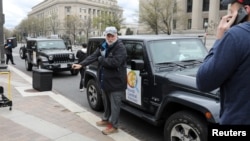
(199, 103)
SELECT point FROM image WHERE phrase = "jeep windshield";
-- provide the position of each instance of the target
(179, 52)
(51, 44)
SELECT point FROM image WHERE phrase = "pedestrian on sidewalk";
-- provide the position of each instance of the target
(227, 66)
(81, 54)
(8, 52)
(112, 75)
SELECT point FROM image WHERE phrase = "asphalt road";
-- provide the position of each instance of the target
(68, 85)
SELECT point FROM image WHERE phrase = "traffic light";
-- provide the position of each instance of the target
(11, 41)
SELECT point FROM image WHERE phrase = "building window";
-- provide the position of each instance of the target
(68, 9)
(205, 5)
(189, 24)
(174, 24)
(189, 5)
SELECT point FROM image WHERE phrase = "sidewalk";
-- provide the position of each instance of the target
(47, 116)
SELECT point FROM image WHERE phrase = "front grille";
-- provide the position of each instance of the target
(61, 58)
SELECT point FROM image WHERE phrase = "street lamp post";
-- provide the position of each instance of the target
(1, 33)
(205, 36)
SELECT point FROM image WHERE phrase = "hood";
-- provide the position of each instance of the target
(184, 78)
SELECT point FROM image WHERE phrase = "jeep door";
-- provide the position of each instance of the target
(139, 82)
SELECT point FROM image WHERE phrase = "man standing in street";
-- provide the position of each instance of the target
(8, 52)
(112, 76)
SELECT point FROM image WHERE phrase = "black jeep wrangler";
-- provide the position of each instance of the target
(51, 54)
(161, 85)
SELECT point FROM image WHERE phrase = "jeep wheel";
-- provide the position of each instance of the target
(94, 96)
(186, 126)
(28, 65)
(22, 52)
(74, 71)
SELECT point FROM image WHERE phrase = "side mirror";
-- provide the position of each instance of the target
(137, 64)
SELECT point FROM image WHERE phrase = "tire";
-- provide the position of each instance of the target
(74, 71)
(28, 65)
(94, 96)
(185, 125)
(22, 53)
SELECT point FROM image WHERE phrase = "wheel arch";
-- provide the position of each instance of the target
(89, 75)
(200, 105)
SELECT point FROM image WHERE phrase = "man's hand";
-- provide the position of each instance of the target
(76, 66)
(225, 23)
(100, 59)
(228, 20)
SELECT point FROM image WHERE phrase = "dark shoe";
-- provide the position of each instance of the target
(13, 64)
(102, 123)
(109, 130)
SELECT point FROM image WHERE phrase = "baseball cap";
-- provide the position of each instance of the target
(110, 30)
(226, 2)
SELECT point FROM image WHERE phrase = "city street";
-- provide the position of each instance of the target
(67, 85)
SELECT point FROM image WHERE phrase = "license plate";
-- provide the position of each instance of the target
(64, 65)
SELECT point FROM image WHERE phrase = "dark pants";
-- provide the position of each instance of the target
(9, 57)
(112, 105)
(82, 70)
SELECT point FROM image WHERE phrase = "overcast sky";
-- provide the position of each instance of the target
(16, 10)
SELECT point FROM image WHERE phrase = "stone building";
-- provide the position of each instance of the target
(198, 15)
(54, 12)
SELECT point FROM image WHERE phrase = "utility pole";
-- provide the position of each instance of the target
(2, 20)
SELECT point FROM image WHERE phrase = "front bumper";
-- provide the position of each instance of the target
(58, 67)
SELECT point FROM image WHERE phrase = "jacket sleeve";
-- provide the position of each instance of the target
(218, 65)
(91, 58)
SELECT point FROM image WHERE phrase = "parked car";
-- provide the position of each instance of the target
(161, 88)
(51, 54)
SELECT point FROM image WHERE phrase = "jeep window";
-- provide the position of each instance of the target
(93, 45)
(134, 50)
(51, 44)
(164, 51)
(30, 44)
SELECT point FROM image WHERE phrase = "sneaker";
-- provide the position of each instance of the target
(102, 123)
(109, 130)
(81, 90)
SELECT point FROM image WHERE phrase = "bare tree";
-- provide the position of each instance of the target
(53, 22)
(158, 15)
(111, 16)
(86, 27)
(72, 25)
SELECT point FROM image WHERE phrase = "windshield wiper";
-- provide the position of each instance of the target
(171, 64)
(192, 62)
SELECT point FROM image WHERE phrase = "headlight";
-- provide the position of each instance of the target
(71, 56)
(51, 57)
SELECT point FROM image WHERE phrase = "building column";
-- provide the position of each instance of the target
(181, 22)
(197, 20)
(213, 17)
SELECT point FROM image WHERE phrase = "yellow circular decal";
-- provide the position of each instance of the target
(131, 78)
